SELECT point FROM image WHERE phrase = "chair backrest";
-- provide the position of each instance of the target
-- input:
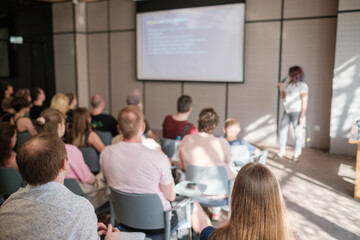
(105, 137)
(170, 147)
(10, 181)
(74, 186)
(21, 139)
(140, 211)
(214, 177)
(263, 157)
(91, 158)
(240, 155)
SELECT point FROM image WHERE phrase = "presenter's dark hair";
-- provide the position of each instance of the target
(208, 120)
(35, 93)
(299, 70)
(40, 159)
(184, 104)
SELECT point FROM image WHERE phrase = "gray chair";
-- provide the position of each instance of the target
(240, 155)
(216, 180)
(169, 146)
(105, 137)
(91, 158)
(21, 139)
(145, 212)
(10, 181)
(74, 186)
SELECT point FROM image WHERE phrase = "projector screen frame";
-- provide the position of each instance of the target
(143, 7)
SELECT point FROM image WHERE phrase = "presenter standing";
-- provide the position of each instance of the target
(295, 101)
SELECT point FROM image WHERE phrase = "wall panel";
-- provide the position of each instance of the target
(122, 15)
(349, 5)
(97, 16)
(99, 66)
(311, 44)
(82, 70)
(254, 102)
(309, 8)
(262, 10)
(62, 14)
(123, 78)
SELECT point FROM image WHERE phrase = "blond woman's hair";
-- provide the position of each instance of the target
(257, 208)
(60, 102)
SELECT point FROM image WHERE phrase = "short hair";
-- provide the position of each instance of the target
(40, 159)
(19, 103)
(299, 70)
(184, 104)
(134, 97)
(71, 97)
(96, 100)
(35, 93)
(208, 120)
(6, 103)
(49, 120)
(60, 102)
(230, 126)
(130, 120)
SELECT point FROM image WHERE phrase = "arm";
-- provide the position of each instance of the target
(168, 191)
(92, 179)
(95, 141)
(304, 104)
(152, 135)
(281, 90)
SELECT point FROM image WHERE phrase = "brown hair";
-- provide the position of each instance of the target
(299, 70)
(19, 103)
(24, 92)
(40, 159)
(257, 207)
(184, 104)
(49, 120)
(60, 102)
(130, 120)
(80, 126)
(7, 131)
(208, 120)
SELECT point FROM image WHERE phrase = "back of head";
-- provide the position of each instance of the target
(130, 120)
(232, 127)
(35, 93)
(60, 102)
(49, 120)
(80, 124)
(40, 159)
(19, 103)
(7, 131)
(184, 104)
(134, 97)
(96, 101)
(257, 207)
(23, 92)
(208, 120)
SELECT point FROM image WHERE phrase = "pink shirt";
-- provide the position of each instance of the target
(78, 168)
(133, 168)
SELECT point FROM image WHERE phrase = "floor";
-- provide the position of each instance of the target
(318, 191)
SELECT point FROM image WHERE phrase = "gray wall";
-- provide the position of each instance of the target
(276, 37)
(346, 83)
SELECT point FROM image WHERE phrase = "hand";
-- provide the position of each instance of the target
(112, 233)
(302, 120)
(101, 228)
(280, 86)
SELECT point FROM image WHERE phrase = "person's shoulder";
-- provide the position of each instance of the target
(205, 233)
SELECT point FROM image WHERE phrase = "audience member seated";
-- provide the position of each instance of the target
(22, 123)
(175, 126)
(24, 92)
(257, 208)
(6, 90)
(52, 120)
(232, 130)
(60, 102)
(134, 99)
(38, 97)
(81, 134)
(7, 143)
(204, 149)
(72, 104)
(45, 208)
(8, 110)
(99, 120)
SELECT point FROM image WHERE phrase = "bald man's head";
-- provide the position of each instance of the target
(97, 100)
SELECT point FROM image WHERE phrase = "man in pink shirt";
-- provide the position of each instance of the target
(130, 167)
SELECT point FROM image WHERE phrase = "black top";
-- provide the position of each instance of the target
(35, 111)
(104, 122)
(5, 116)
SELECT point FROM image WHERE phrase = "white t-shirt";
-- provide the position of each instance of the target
(292, 102)
(133, 168)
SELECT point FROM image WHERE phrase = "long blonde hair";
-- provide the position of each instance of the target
(257, 208)
(80, 126)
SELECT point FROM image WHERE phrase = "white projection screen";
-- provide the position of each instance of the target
(192, 44)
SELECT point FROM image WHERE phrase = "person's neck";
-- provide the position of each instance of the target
(97, 111)
(136, 139)
(59, 179)
(38, 103)
(181, 116)
(20, 114)
(231, 138)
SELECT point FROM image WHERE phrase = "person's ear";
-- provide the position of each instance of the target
(65, 165)
(224, 130)
(118, 128)
(143, 127)
(190, 110)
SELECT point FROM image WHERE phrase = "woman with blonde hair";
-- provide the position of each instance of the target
(257, 208)
(81, 134)
(60, 102)
(52, 120)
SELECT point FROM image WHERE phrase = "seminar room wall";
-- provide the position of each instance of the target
(279, 34)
